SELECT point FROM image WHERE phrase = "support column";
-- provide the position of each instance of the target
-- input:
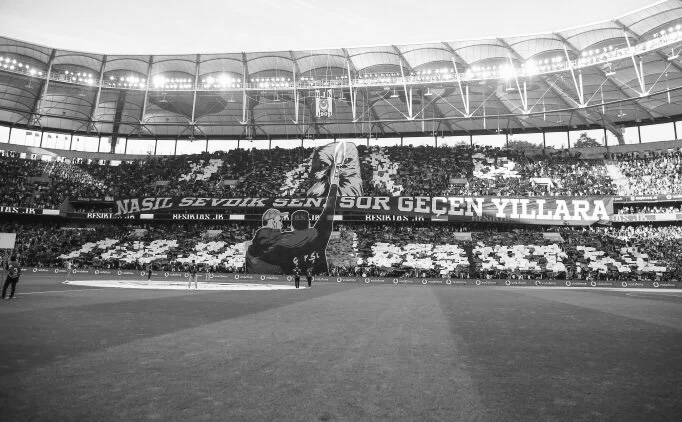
(194, 94)
(544, 140)
(639, 70)
(95, 106)
(577, 82)
(675, 129)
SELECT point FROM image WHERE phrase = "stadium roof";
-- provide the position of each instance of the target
(613, 73)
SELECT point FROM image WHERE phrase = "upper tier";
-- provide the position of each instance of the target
(384, 171)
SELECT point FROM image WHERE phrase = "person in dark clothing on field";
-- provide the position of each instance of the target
(193, 275)
(297, 277)
(13, 273)
(309, 277)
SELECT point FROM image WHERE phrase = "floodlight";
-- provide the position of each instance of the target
(506, 72)
(531, 68)
(159, 81)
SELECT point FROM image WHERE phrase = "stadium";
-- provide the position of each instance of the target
(485, 229)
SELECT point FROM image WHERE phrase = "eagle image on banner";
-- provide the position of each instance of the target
(303, 248)
(350, 181)
(323, 106)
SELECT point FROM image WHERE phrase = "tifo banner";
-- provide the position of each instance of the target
(537, 210)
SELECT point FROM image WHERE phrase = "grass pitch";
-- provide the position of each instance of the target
(339, 352)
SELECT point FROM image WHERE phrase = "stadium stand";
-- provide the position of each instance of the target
(393, 250)
(392, 171)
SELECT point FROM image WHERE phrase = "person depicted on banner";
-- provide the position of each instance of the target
(309, 277)
(275, 252)
(306, 247)
(297, 277)
(13, 273)
(193, 275)
(264, 240)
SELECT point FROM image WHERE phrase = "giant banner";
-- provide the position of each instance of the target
(535, 210)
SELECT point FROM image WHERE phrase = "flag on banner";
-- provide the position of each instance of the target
(323, 106)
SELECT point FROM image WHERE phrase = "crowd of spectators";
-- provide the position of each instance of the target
(649, 209)
(393, 171)
(363, 249)
(653, 174)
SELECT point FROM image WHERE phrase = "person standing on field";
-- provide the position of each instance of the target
(193, 275)
(309, 277)
(13, 273)
(297, 277)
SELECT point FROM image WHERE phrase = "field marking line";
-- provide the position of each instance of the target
(649, 294)
(59, 291)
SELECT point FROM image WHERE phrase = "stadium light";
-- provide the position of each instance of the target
(506, 72)
(159, 81)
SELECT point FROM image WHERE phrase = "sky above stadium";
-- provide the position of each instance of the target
(205, 26)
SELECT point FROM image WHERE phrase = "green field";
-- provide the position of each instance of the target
(340, 352)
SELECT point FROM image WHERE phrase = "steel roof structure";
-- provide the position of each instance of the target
(604, 75)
